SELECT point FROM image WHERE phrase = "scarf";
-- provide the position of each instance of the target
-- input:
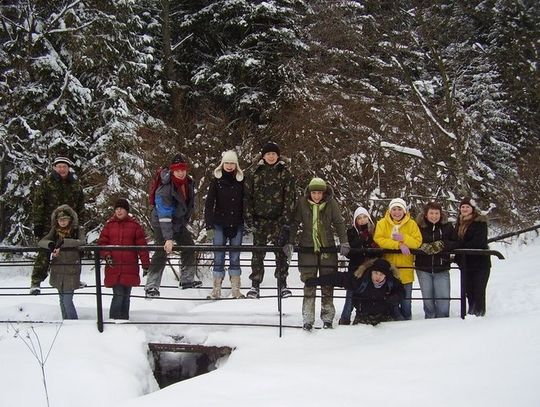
(180, 185)
(63, 232)
(464, 223)
(316, 229)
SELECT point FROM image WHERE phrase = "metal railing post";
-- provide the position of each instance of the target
(463, 288)
(99, 304)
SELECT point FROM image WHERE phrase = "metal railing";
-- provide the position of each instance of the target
(203, 261)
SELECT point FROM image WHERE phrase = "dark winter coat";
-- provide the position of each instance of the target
(367, 299)
(330, 221)
(225, 202)
(475, 238)
(66, 267)
(442, 230)
(125, 267)
(269, 193)
(172, 211)
(54, 191)
(360, 238)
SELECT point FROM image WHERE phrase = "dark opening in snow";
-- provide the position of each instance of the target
(174, 362)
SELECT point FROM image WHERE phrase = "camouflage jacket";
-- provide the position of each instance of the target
(269, 193)
(54, 191)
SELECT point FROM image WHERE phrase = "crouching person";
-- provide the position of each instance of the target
(376, 290)
(122, 266)
(65, 266)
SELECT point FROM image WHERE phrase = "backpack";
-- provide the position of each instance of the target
(154, 184)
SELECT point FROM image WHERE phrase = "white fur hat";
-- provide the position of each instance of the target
(229, 156)
(398, 202)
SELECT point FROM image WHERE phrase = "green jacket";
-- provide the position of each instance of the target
(331, 221)
(269, 193)
(54, 191)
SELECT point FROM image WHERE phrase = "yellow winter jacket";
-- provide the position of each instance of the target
(412, 237)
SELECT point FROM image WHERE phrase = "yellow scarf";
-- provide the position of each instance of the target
(316, 229)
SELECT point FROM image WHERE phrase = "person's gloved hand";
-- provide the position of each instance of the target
(427, 248)
(312, 282)
(210, 234)
(344, 249)
(284, 235)
(397, 236)
(404, 248)
(437, 246)
(109, 260)
(288, 250)
(38, 230)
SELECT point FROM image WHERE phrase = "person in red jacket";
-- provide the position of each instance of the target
(122, 266)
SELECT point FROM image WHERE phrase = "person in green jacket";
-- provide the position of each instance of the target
(61, 187)
(318, 216)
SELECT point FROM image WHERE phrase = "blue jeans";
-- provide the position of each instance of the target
(120, 302)
(66, 304)
(405, 305)
(347, 306)
(435, 293)
(234, 256)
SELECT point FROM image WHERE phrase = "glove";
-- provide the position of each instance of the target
(437, 246)
(210, 233)
(288, 250)
(51, 246)
(144, 272)
(284, 235)
(427, 248)
(109, 260)
(404, 248)
(312, 282)
(38, 231)
(59, 243)
(344, 249)
(397, 236)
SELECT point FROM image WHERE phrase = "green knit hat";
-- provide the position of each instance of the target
(317, 184)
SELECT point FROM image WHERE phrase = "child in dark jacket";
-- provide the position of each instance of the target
(376, 290)
(360, 236)
(65, 234)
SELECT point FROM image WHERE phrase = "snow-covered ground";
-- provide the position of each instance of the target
(491, 361)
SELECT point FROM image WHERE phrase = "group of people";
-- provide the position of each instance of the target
(263, 202)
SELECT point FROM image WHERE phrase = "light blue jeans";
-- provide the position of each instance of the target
(435, 293)
(66, 304)
(234, 256)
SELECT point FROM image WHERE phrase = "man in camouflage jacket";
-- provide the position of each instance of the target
(269, 204)
(59, 188)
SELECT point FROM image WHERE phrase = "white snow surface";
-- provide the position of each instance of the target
(491, 361)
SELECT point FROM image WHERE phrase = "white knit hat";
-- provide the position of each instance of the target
(64, 160)
(229, 156)
(398, 202)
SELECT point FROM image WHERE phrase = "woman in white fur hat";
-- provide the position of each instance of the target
(398, 231)
(224, 218)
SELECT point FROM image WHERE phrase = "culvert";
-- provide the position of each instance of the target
(174, 362)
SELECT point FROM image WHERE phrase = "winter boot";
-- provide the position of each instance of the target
(35, 289)
(216, 292)
(235, 287)
(253, 291)
(285, 292)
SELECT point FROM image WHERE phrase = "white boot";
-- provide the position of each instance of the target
(235, 287)
(216, 292)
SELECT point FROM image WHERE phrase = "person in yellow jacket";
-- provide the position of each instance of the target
(398, 231)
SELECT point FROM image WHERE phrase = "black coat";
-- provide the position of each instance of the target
(475, 237)
(442, 230)
(225, 202)
(359, 240)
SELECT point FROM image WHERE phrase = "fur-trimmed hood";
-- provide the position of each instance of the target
(72, 214)
(368, 264)
(328, 194)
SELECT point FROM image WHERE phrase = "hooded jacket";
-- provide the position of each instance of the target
(125, 266)
(330, 221)
(360, 237)
(411, 237)
(66, 267)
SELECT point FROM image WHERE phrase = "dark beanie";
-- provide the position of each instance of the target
(468, 201)
(270, 147)
(381, 265)
(178, 158)
(122, 203)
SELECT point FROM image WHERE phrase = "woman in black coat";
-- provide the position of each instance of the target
(471, 233)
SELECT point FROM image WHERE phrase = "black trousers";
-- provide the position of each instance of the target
(475, 289)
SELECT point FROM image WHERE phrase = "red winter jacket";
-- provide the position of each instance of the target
(125, 267)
